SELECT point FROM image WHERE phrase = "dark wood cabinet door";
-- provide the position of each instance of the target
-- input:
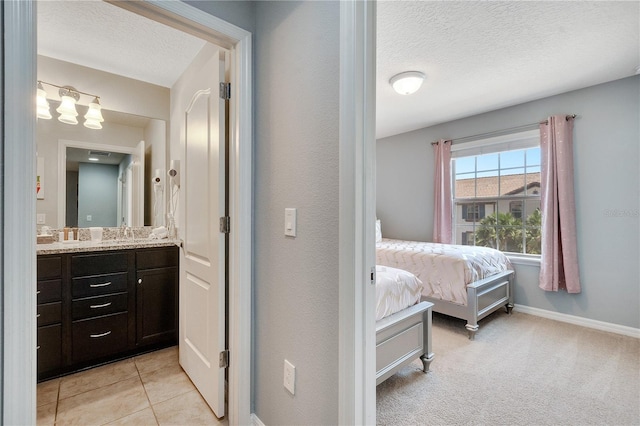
(156, 306)
(49, 350)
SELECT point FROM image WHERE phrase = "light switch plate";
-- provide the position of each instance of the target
(41, 219)
(290, 219)
(290, 377)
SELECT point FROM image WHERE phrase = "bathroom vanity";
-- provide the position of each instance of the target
(97, 302)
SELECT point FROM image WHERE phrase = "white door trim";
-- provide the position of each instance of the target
(19, 363)
(356, 370)
(18, 253)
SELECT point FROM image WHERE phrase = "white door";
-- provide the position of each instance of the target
(202, 266)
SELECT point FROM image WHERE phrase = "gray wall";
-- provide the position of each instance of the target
(296, 165)
(606, 141)
(97, 194)
(240, 13)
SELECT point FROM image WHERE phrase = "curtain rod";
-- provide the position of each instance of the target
(504, 131)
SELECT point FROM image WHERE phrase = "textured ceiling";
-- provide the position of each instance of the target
(482, 56)
(102, 36)
(477, 56)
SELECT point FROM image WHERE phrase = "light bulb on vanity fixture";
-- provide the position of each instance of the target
(42, 103)
(69, 97)
(407, 82)
(93, 117)
(67, 108)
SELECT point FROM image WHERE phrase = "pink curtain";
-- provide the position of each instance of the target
(559, 269)
(442, 232)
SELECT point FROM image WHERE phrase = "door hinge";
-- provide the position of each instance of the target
(225, 91)
(373, 275)
(224, 359)
(225, 224)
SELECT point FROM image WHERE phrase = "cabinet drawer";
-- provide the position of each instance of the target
(49, 291)
(49, 267)
(49, 348)
(49, 313)
(98, 263)
(99, 337)
(98, 285)
(98, 306)
(157, 258)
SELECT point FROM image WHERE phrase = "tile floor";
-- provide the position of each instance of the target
(150, 389)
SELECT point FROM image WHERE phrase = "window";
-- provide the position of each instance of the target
(515, 208)
(473, 212)
(467, 239)
(496, 194)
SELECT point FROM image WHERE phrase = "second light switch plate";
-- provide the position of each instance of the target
(290, 222)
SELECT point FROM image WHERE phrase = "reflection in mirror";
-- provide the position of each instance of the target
(129, 149)
(99, 186)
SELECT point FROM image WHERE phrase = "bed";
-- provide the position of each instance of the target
(403, 322)
(465, 282)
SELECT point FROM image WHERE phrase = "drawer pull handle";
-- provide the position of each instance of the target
(38, 292)
(95, 336)
(100, 285)
(37, 315)
(104, 305)
(37, 347)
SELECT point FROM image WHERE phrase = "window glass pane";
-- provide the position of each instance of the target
(533, 240)
(515, 209)
(510, 236)
(512, 184)
(487, 186)
(488, 162)
(486, 234)
(532, 207)
(465, 185)
(533, 181)
(465, 164)
(511, 159)
(465, 234)
(533, 157)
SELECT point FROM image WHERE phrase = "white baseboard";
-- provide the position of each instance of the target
(255, 421)
(584, 322)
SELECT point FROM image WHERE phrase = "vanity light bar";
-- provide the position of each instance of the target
(67, 109)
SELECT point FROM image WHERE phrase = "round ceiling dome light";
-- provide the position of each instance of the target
(407, 82)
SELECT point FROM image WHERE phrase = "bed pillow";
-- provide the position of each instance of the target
(378, 231)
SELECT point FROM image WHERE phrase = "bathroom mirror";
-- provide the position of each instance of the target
(101, 177)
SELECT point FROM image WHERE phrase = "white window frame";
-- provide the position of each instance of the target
(507, 142)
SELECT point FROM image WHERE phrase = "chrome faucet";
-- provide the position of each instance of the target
(125, 232)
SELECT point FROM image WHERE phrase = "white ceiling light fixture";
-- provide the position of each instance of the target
(69, 98)
(407, 82)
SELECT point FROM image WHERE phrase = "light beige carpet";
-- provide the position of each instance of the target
(520, 370)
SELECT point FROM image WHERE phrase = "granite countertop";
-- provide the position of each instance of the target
(104, 245)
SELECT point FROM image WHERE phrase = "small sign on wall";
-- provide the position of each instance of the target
(40, 178)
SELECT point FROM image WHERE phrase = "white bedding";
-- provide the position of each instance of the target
(444, 269)
(395, 290)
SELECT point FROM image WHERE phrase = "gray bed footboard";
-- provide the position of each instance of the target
(403, 337)
(483, 298)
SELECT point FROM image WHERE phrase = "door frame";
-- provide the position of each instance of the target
(356, 335)
(18, 259)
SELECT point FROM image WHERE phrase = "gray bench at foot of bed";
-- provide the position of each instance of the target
(483, 298)
(403, 337)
